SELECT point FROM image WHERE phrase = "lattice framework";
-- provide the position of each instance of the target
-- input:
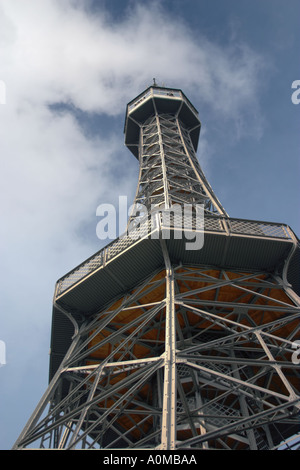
(233, 382)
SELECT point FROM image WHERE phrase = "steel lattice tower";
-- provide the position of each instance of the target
(156, 346)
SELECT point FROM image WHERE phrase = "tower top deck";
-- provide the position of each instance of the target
(159, 100)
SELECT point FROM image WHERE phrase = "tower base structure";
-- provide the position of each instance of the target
(158, 347)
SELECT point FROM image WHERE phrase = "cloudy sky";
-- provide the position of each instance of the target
(68, 69)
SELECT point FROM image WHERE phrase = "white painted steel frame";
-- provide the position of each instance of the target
(189, 371)
(239, 364)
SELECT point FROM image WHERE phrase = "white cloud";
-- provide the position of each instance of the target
(52, 175)
(57, 52)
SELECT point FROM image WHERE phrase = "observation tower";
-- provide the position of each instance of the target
(181, 333)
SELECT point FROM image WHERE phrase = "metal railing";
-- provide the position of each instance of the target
(148, 226)
(167, 93)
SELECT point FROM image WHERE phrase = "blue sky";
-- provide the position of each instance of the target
(69, 69)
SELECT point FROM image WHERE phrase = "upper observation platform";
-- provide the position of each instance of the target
(159, 100)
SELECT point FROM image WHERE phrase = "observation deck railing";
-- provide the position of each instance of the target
(160, 92)
(149, 228)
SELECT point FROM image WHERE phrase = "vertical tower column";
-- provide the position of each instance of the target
(168, 434)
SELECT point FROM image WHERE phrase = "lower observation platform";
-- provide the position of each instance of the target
(232, 244)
